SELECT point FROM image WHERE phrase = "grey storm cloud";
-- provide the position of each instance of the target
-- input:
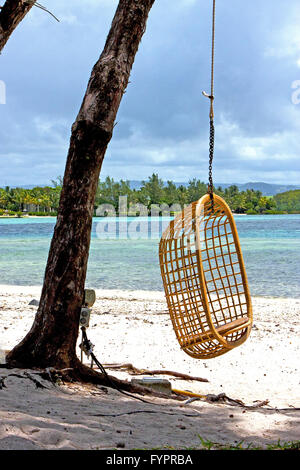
(162, 124)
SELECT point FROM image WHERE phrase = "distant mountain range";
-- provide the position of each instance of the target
(267, 189)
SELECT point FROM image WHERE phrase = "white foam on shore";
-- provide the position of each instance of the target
(119, 293)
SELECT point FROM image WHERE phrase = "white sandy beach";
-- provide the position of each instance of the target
(134, 327)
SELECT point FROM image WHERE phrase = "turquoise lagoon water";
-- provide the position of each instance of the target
(124, 252)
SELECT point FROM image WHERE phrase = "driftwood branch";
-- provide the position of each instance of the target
(135, 371)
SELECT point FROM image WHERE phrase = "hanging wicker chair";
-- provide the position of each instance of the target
(205, 280)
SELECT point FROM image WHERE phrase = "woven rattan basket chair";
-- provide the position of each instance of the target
(205, 280)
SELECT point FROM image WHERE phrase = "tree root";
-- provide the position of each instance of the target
(25, 375)
(81, 373)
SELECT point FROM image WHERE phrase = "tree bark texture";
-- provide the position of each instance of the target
(11, 14)
(52, 338)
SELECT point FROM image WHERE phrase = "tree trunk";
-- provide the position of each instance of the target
(11, 14)
(52, 338)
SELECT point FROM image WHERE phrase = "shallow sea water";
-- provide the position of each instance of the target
(124, 252)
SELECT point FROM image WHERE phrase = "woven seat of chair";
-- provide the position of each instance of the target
(205, 280)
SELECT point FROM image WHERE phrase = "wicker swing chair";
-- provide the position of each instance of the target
(205, 280)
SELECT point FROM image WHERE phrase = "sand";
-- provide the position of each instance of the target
(134, 327)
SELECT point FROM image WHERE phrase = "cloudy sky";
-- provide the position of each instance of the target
(163, 119)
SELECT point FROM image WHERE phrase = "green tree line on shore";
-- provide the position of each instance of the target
(42, 200)
(45, 200)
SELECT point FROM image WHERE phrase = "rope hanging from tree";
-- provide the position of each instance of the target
(211, 112)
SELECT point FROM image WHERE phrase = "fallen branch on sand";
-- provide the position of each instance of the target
(223, 398)
(135, 371)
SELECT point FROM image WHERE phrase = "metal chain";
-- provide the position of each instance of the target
(211, 156)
